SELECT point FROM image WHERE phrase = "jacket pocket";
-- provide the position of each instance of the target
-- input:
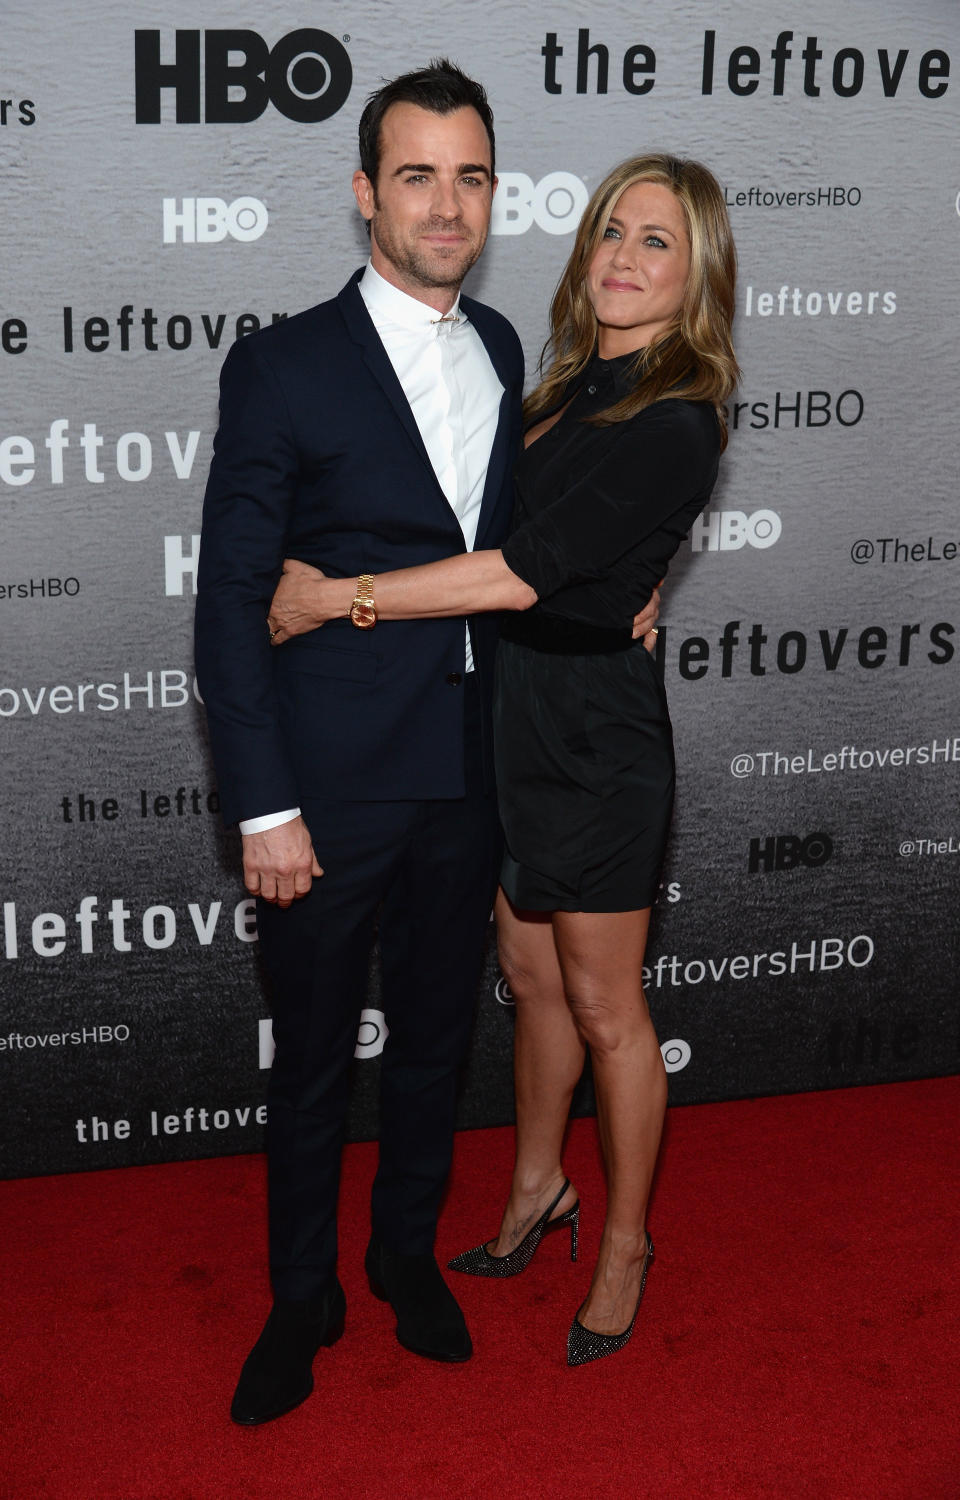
(348, 666)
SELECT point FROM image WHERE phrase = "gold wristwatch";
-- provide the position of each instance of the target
(363, 610)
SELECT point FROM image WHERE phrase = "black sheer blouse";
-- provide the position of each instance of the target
(600, 511)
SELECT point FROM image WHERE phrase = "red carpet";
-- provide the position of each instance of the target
(799, 1335)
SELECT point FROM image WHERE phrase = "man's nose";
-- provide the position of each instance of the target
(446, 200)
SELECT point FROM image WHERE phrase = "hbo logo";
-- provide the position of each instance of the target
(307, 76)
(371, 1036)
(555, 203)
(784, 851)
(676, 1054)
(202, 221)
(728, 530)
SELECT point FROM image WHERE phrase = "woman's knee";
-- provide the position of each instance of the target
(607, 1023)
(520, 975)
(527, 977)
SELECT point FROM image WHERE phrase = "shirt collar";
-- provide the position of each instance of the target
(388, 303)
(621, 372)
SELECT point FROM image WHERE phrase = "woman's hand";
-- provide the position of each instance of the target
(298, 602)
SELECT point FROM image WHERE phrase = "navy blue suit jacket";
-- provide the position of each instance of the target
(318, 457)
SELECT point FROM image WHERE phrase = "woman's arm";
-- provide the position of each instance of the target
(305, 598)
(469, 583)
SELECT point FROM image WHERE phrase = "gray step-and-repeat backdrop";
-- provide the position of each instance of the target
(174, 179)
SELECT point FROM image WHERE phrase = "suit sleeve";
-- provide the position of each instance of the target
(651, 469)
(246, 512)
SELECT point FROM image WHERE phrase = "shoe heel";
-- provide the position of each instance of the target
(333, 1333)
(479, 1261)
(575, 1233)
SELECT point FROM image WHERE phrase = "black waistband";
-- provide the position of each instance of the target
(542, 631)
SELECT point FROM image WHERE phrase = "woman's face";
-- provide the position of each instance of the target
(638, 273)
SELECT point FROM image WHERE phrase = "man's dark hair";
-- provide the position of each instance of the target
(441, 87)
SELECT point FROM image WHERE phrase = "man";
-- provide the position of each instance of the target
(372, 432)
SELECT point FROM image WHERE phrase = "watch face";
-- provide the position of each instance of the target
(363, 613)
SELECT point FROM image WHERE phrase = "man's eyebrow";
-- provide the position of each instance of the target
(472, 169)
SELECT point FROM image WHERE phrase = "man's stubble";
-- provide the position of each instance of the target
(441, 268)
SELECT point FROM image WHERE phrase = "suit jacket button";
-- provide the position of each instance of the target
(454, 678)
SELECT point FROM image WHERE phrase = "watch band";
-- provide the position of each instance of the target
(363, 610)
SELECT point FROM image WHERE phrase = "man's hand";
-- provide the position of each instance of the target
(293, 606)
(279, 864)
(645, 621)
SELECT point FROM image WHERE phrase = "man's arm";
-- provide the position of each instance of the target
(246, 511)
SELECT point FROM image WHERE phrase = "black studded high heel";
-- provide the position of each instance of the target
(480, 1262)
(583, 1345)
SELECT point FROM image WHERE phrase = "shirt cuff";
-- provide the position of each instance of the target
(268, 820)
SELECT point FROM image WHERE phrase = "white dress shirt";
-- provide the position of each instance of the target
(454, 394)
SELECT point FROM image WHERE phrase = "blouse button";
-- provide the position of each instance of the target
(591, 390)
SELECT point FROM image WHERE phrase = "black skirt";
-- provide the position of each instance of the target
(585, 776)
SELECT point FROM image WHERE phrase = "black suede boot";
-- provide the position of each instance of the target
(429, 1320)
(278, 1373)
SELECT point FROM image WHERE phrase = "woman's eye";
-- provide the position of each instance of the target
(654, 239)
(610, 233)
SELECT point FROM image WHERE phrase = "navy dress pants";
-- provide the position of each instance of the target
(426, 873)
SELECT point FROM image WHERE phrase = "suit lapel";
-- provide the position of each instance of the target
(361, 330)
(501, 454)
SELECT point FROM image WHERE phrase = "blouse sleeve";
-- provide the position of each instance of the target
(651, 468)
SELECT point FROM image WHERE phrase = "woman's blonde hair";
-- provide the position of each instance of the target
(694, 358)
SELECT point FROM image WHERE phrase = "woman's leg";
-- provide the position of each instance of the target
(548, 1060)
(601, 957)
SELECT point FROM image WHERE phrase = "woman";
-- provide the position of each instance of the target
(623, 438)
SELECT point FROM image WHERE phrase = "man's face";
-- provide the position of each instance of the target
(430, 209)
